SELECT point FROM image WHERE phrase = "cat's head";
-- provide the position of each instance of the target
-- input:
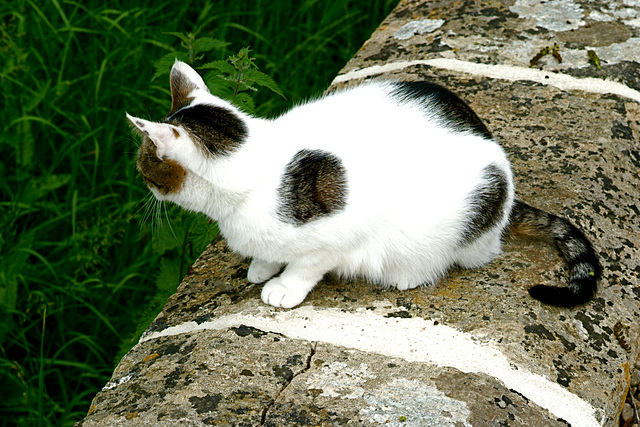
(199, 127)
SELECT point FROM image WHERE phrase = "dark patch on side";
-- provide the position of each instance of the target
(166, 175)
(454, 111)
(181, 87)
(575, 248)
(218, 130)
(487, 201)
(314, 184)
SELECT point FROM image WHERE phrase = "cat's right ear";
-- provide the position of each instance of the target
(161, 134)
(184, 80)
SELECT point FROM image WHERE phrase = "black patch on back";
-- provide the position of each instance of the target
(487, 201)
(217, 129)
(454, 111)
(314, 184)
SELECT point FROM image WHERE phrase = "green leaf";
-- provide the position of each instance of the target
(168, 277)
(38, 97)
(242, 61)
(164, 64)
(205, 44)
(168, 235)
(203, 231)
(244, 101)
(219, 86)
(594, 59)
(40, 186)
(222, 66)
(262, 79)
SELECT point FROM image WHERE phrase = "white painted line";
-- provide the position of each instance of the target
(413, 339)
(504, 72)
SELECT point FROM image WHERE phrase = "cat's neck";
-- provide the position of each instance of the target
(220, 186)
(210, 198)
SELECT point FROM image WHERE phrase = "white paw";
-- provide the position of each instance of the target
(402, 286)
(275, 293)
(260, 272)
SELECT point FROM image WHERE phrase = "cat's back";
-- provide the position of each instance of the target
(384, 115)
(352, 107)
(409, 127)
(410, 143)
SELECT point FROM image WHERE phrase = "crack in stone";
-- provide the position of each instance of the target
(267, 408)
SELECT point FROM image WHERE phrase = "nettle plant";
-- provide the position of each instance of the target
(234, 79)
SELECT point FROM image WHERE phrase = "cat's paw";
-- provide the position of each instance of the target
(275, 293)
(260, 271)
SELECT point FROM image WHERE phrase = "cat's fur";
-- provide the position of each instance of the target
(389, 181)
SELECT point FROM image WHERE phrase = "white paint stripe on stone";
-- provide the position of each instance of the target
(504, 72)
(412, 339)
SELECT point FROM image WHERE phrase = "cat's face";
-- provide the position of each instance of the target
(199, 127)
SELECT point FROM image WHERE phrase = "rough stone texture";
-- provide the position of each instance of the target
(206, 360)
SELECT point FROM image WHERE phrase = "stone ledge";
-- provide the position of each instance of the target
(475, 349)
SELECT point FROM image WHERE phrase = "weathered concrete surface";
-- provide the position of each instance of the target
(475, 349)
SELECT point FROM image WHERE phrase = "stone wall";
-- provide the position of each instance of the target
(474, 350)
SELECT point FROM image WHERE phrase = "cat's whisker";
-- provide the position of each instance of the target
(139, 207)
(143, 209)
(166, 214)
(157, 216)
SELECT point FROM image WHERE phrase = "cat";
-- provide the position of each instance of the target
(392, 182)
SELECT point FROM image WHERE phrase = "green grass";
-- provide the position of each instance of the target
(84, 263)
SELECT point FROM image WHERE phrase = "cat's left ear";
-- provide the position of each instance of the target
(184, 80)
(161, 134)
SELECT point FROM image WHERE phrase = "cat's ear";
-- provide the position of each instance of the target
(184, 80)
(161, 134)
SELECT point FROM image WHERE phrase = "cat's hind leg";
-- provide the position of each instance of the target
(292, 286)
(261, 271)
(481, 251)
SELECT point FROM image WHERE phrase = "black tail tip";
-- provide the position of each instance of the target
(560, 297)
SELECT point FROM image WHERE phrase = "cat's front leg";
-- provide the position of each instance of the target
(292, 286)
(261, 271)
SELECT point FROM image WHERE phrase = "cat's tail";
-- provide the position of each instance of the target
(575, 248)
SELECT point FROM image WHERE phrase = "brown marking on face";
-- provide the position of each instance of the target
(180, 90)
(165, 175)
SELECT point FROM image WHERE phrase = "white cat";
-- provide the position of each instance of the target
(394, 182)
